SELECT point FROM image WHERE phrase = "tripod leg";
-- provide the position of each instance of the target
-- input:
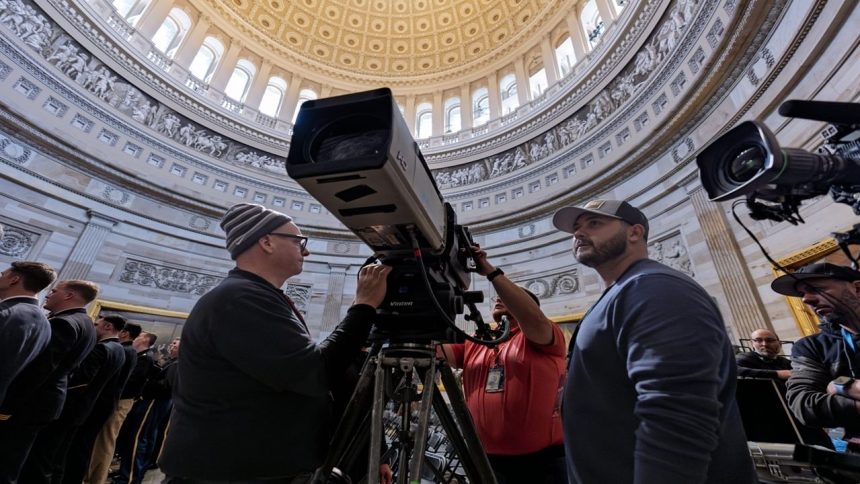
(423, 421)
(464, 437)
(376, 425)
(350, 424)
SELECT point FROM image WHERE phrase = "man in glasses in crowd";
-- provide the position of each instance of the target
(252, 398)
(765, 361)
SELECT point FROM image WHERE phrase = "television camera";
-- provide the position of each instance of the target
(748, 161)
(354, 154)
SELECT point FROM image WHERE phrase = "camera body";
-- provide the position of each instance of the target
(748, 161)
(355, 155)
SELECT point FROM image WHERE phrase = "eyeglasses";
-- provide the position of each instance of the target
(303, 241)
(764, 340)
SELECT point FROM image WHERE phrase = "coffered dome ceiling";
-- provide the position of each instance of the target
(393, 41)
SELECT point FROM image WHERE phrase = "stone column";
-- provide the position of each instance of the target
(84, 253)
(438, 114)
(746, 310)
(409, 114)
(607, 12)
(258, 85)
(153, 18)
(333, 297)
(226, 66)
(523, 87)
(466, 106)
(494, 96)
(192, 43)
(550, 66)
(288, 107)
(577, 37)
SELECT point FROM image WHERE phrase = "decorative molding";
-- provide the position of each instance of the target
(553, 285)
(15, 152)
(671, 250)
(300, 295)
(167, 278)
(17, 242)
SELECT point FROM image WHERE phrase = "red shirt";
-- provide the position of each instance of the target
(525, 416)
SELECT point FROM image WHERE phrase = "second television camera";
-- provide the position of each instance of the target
(354, 154)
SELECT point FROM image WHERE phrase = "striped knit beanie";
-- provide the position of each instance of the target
(245, 223)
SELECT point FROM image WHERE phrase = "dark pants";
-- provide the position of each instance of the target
(81, 449)
(16, 440)
(126, 442)
(47, 460)
(150, 436)
(545, 466)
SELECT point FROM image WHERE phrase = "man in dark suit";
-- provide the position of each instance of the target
(47, 461)
(138, 342)
(78, 458)
(24, 330)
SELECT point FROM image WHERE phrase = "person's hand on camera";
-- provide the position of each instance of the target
(372, 284)
(482, 265)
(385, 474)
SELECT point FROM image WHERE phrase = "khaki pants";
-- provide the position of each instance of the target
(105, 444)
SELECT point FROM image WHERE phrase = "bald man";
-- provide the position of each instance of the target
(765, 361)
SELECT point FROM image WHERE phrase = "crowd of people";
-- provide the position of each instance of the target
(67, 383)
(250, 401)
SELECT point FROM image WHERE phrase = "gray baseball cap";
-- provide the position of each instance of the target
(566, 217)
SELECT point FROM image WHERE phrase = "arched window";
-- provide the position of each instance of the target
(538, 83)
(453, 121)
(168, 37)
(480, 106)
(123, 7)
(424, 120)
(240, 80)
(272, 98)
(508, 90)
(204, 63)
(304, 95)
(565, 56)
(591, 22)
(130, 10)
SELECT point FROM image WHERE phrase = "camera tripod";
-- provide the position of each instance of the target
(396, 366)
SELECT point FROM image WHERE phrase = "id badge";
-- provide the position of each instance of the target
(496, 379)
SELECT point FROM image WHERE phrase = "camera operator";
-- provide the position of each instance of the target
(765, 361)
(252, 400)
(822, 391)
(513, 389)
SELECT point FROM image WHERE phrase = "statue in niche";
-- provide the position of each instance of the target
(520, 159)
(187, 134)
(477, 172)
(169, 125)
(13, 15)
(535, 151)
(565, 134)
(104, 83)
(142, 111)
(550, 141)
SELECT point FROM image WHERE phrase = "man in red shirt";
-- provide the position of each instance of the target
(514, 389)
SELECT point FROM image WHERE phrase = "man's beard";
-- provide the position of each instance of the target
(766, 354)
(600, 254)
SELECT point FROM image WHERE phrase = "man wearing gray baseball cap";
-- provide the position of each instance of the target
(651, 380)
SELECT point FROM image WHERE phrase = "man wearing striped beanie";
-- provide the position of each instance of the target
(252, 398)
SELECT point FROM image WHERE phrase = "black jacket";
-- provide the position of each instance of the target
(754, 365)
(144, 369)
(38, 393)
(87, 382)
(252, 399)
(815, 361)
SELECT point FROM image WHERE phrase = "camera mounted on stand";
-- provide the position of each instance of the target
(354, 154)
(748, 161)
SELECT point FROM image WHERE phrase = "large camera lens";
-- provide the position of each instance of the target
(745, 163)
(350, 137)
